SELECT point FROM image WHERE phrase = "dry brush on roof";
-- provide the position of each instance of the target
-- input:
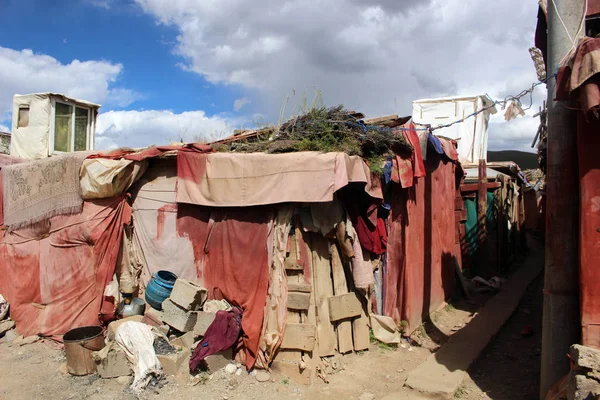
(324, 129)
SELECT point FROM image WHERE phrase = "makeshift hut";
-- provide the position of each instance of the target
(492, 240)
(309, 245)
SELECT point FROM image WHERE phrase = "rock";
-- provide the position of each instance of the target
(582, 387)
(239, 372)
(123, 380)
(22, 341)
(263, 376)
(173, 364)
(232, 382)
(203, 321)
(230, 369)
(164, 329)
(113, 326)
(585, 356)
(6, 326)
(153, 317)
(367, 396)
(63, 369)
(184, 341)
(218, 361)
(111, 361)
(177, 317)
(188, 295)
(11, 335)
(527, 331)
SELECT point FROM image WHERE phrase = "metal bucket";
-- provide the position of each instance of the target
(79, 345)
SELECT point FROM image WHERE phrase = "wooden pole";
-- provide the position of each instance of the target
(482, 215)
(561, 321)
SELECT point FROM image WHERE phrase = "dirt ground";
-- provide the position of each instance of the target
(37, 371)
(507, 369)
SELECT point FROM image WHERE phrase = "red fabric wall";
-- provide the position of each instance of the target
(419, 275)
(589, 239)
(230, 252)
(54, 273)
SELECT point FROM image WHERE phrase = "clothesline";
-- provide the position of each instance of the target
(525, 92)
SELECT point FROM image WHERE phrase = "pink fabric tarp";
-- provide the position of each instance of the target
(237, 180)
(55, 272)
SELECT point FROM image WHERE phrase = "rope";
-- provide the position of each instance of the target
(523, 93)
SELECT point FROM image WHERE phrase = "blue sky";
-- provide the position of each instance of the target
(197, 69)
(120, 34)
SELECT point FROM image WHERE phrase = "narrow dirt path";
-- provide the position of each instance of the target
(509, 367)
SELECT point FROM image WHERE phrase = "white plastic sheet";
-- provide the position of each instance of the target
(137, 340)
(470, 134)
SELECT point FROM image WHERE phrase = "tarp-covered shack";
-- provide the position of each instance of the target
(308, 244)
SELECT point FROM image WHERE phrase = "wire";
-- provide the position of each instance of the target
(361, 124)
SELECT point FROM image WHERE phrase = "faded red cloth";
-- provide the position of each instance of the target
(222, 334)
(372, 237)
(54, 273)
(579, 80)
(588, 141)
(419, 274)
(370, 228)
(130, 154)
(410, 134)
(237, 266)
(402, 171)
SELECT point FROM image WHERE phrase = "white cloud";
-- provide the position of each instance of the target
(120, 97)
(4, 128)
(106, 4)
(372, 55)
(239, 103)
(27, 72)
(142, 128)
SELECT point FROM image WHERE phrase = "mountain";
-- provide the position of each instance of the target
(523, 159)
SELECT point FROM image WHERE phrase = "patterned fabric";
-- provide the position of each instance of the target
(41, 189)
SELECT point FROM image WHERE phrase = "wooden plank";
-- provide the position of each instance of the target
(293, 317)
(344, 306)
(298, 300)
(474, 187)
(299, 337)
(299, 287)
(292, 265)
(312, 357)
(360, 331)
(292, 370)
(482, 214)
(323, 289)
(340, 287)
(381, 120)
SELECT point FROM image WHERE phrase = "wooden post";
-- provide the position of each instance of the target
(482, 214)
(561, 321)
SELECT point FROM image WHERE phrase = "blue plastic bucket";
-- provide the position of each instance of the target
(159, 288)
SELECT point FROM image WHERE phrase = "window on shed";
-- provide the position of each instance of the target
(63, 126)
(72, 127)
(23, 120)
(81, 128)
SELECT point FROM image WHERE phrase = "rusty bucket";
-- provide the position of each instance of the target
(79, 345)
